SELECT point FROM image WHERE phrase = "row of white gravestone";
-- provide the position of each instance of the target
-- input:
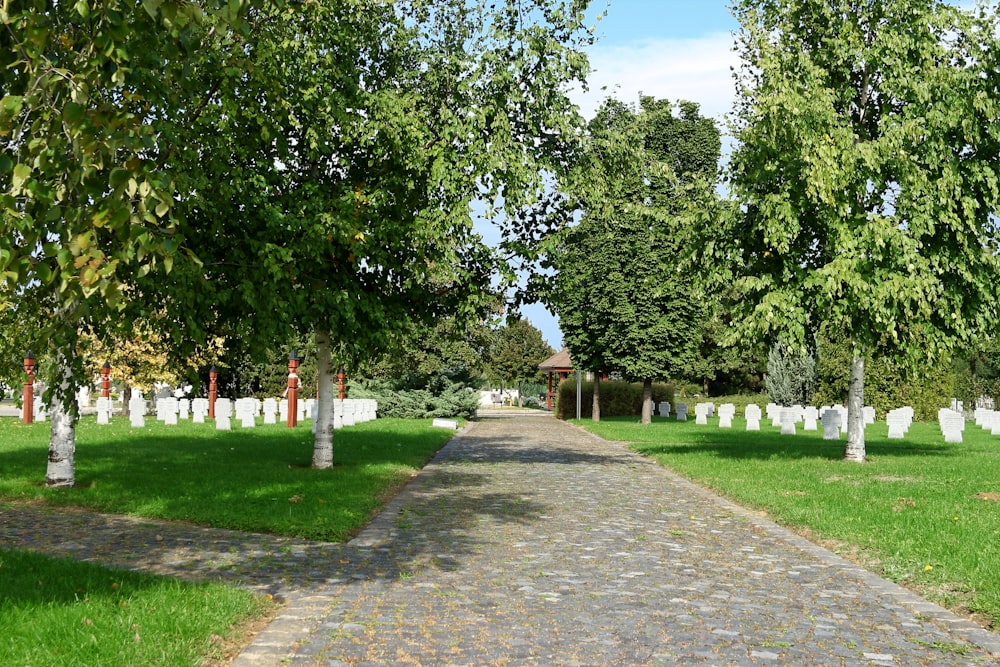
(988, 419)
(832, 417)
(952, 424)
(680, 410)
(347, 412)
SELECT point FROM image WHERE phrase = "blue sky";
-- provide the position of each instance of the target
(671, 49)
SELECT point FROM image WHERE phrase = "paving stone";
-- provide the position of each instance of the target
(531, 542)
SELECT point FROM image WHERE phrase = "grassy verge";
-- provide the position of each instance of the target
(61, 612)
(920, 512)
(246, 479)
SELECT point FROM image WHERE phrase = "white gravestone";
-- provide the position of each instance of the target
(137, 410)
(664, 409)
(868, 412)
(809, 417)
(183, 407)
(831, 424)
(199, 410)
(788, 418)
(896, 424)
(753, 414)
(349, 412)
(270, 411)
(104, 408)
(726, 413)
(224, 408)
(701, 413)
(952, 424)
(682, 412)
(169, 406)
(338, 413)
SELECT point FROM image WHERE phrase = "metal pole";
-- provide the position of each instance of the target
(579, 398)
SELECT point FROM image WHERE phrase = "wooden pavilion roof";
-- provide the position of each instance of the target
(559, 361)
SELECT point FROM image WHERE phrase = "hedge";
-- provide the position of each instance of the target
(617, 398)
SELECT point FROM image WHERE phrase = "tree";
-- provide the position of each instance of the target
(85, 200)
(866, 175)
(791, 375)
(365, 131)
(310, 171)
(517, 350)
(623, 303)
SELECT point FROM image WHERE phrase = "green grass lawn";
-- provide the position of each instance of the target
(59, 612)
(256, 479)
(920, 512)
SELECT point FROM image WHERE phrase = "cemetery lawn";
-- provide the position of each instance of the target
(62, 612)
(257, 479)
(920, 512)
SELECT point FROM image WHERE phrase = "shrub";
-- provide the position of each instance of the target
(438, 397)
(617, 398)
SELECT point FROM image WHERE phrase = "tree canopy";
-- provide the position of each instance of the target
(284, 168)
(865, 170)
(623, 304)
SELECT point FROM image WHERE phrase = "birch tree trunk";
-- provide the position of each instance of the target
(855, 449)
(63, 411)
(595, 411)
(647, 401)
(323, 447)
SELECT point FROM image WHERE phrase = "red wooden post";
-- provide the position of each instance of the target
(106, 380)
(213, 390)
(341, 376)
(28, 407)
(293, 389)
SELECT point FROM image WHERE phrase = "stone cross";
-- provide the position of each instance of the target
(701, 413)
(726, 413)
(831, 424)
(788, 417)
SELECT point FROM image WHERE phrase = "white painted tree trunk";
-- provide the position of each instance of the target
(647, 401)
(595, 411)
(855, 449)
(323, 446)
(63, 412)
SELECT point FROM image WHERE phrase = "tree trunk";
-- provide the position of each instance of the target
(520, 394)
(323, 446)
(127, 393)
(855, 449)
(647, 402)
(595, 410)
(63, 412)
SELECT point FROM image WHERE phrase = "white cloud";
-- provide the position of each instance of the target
(697, 69)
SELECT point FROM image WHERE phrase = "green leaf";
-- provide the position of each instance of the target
(120, 176)
(21, 174)
(73, 112)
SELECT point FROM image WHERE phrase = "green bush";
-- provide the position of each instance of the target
(438, 396)
(618, 399)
